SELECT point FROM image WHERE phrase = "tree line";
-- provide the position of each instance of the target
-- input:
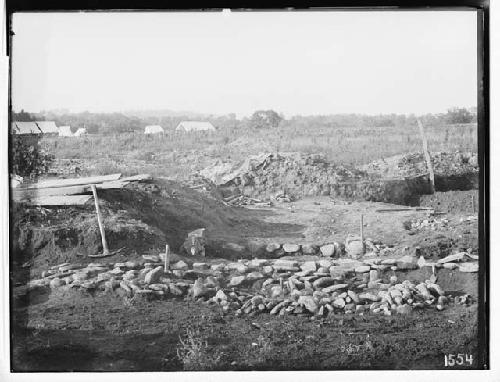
(112, 123)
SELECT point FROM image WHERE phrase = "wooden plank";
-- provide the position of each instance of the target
(55, 183)
(136, 178)
(64, 200)
(111, 185)
(426, 154)
(27, 194)
(23, 194)
(404, 209)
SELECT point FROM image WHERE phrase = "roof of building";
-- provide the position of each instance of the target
(47, 127)
(151, 129)
(80, 131)
(194, 126)
(65, 131)
(25, 128)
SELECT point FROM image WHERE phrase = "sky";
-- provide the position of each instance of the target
(293, 62)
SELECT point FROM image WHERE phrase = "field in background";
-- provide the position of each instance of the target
(177, 154)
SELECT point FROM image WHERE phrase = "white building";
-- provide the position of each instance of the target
(194, 126)
(81, 131)
(25, 128)
(65, 131)
(47, 127)
(153, 129)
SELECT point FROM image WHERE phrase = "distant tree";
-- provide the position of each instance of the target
(265, 119)
(22, 116)
(459, 115)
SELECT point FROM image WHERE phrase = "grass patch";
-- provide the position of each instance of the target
(195, 353)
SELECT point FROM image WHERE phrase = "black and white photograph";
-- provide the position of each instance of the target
(240, 190)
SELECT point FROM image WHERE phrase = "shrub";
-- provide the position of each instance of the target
(459, 115)
(28, 158)
(195, 354)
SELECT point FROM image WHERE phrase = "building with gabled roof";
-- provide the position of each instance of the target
(65, 131)
(81, 131)
(47, 127)
(194, 126)
(25, 128)
(153, 129)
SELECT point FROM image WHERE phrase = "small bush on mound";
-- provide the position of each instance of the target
(28, 158)
(195, 354)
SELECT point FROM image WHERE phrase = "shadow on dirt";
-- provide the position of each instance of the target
(175, 216)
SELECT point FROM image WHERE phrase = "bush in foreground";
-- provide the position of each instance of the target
(195, 354)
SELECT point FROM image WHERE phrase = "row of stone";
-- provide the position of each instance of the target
(251, 269)
(353, 247)
(400, 298)
(315, 287)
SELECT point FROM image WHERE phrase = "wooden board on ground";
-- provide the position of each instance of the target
(139, 178)
(430, 209)
(111, 185)
(54, 183)
(20, 195)
(63, 200)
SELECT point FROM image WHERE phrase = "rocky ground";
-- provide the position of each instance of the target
(283, 286)
(321, 313)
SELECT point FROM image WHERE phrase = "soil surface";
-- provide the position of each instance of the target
(84, 333)
(68, 330)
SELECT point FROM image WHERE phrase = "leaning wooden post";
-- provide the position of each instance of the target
(427, 155)
(167, 259)
(361, 234)
(99, 220)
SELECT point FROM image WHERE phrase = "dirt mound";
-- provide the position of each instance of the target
(299, 175)
(453, 171)
(139, 218)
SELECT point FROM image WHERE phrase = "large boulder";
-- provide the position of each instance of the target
(180, 265)
(407, 262)
(286, 265)
(469, 267)
(272, 247)
(199, 289)
(309, 303)
(354, 247)
(291, 248)
(153, 276)
(455, 258)
(323, 282)
(309, 266)
(236, 280)
(309, 249)
(328, 250)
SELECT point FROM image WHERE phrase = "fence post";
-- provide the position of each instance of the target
(167, 259)
(427, 155)
(361, 235)
(105, 249)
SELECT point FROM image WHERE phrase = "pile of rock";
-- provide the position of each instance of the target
(268, 173)
(353, 248)
(242, 200)
(429, 223)
(283, 286)
(414, 164)
(463, 261)
(472, 218)
(296, 175)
